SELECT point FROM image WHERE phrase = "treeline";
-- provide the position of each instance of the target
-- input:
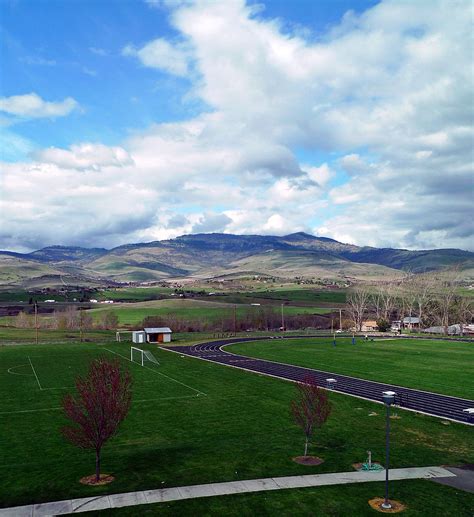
(69, 319)
(433, 298)
(265, 318)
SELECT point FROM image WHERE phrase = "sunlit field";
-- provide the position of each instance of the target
(191, 422)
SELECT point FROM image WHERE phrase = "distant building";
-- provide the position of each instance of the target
(410, 322)
(158, 334)
(138, 336)
(369, 326)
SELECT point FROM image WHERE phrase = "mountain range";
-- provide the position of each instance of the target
(216, 255)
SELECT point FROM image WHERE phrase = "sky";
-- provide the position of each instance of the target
(138, 120)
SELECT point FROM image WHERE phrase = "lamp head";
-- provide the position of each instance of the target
(388, 397)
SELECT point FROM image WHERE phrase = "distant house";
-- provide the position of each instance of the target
(158, 334)
(411, 322)
(453, 330)
(369, 326)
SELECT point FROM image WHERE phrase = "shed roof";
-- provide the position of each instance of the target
(158, 330)
(411, 319)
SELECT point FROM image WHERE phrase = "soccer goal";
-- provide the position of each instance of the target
(137, 355)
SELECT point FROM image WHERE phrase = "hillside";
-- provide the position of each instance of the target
(212, 255)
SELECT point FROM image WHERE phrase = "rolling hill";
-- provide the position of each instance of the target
(215, 255)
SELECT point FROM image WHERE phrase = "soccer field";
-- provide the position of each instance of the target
(37, 380)
(191, 422)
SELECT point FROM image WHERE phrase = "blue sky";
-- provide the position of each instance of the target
(239, 117)
(74, 48)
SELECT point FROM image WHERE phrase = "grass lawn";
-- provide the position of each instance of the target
(194, 311)
(441, 366)
(421, 498)
(191, 422)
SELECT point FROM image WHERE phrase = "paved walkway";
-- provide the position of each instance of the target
(215, 489)
(463, 480)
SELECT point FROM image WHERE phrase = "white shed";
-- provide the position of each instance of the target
(138, 336)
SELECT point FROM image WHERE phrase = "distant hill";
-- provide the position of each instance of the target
(216, 254)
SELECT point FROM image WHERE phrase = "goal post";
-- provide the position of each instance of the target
(141, 360)
(143, 355)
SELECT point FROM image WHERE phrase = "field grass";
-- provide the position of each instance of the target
(440, 366)
(133, 314)
(191, 422)
(421, 498)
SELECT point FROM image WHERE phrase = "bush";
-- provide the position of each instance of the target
(383, 325)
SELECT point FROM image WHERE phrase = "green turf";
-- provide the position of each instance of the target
(240, 428)
(420, 497)
(310, 295)
(441, 366)
(134, 316)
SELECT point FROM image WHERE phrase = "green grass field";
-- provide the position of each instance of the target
(191, 422)
(440, 366)
(193, 310)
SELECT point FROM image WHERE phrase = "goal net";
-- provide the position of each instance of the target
(137, 355)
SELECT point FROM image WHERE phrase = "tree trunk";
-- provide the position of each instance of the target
(306, 447)
(97, 465)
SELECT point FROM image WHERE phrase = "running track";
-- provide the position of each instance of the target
(415, 400)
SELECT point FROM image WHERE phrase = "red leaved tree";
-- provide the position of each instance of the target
(102, 402)
(310, 408)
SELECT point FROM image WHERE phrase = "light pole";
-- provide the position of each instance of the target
(389, 399)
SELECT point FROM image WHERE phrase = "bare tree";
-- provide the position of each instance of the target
(102, 402)
(446, 293)
(358, 300)
(464, 311)
(310, 408)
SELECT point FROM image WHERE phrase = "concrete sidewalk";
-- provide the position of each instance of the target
(215, 489)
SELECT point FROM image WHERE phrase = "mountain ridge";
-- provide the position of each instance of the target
(210, 254)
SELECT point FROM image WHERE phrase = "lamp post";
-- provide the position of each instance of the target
(389, 399)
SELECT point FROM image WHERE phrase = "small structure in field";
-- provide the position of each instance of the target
(369, 326)
(158, 334)
(411, 322)
(138, 336)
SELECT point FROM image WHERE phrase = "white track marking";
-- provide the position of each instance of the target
(19, 366)
(159, 373)
(34, 371)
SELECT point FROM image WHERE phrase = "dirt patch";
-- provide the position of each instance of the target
(308, 460)
(397, 506)
(105, 479)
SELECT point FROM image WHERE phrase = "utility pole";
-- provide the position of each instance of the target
(235, 320)
(80, 324)
(340, 319)
(36, 322)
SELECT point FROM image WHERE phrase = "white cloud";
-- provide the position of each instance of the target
(386, 96)
(85, 156)
(161, 54)
(32, 105)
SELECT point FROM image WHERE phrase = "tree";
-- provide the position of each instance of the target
(109, 320)
(383, 325)
(358, 300)
(102, 403)
(310, 408)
